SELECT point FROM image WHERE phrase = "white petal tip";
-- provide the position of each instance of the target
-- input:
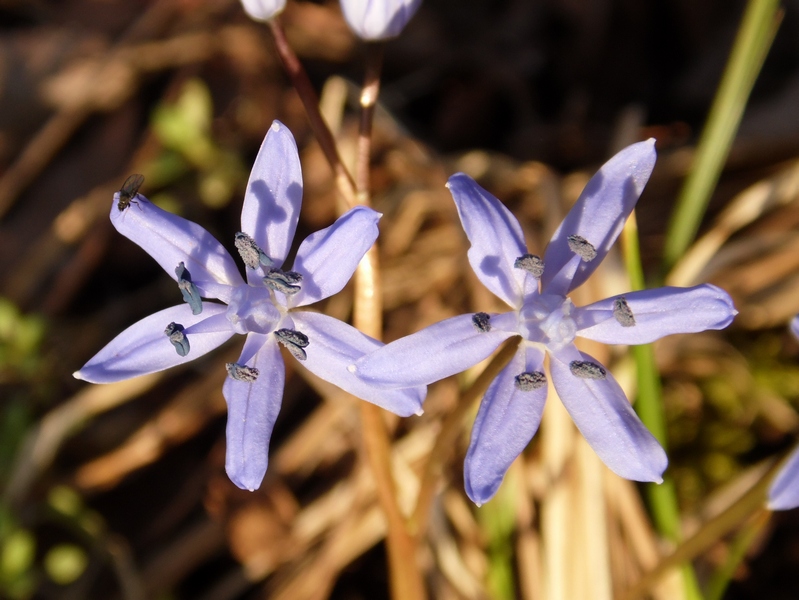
(352, 368)
(478, 504)
(658, 481)
(419, 412)
(275, 127)
(76, 375)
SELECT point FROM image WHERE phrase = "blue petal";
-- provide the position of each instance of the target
(599, 214)
(274, 196)
(171, 239)
(506, 422)
(263, 10)
(334, 346)
(657, 313)
(795, 327)
(435, 352)
(144, 348)
(496, 240)
(328, 258)
(252, 411)
(379, 20)
(784, 491)
(603, 415)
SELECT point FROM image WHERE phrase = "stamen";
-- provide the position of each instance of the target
(190, 292)
(294, 341)
(285, 282)
(582, 247)
(587, 370)
(242, 372)
(250, 253)
(531, 263)
(174, 331)
(622, 312)
(527, 382)
(481, 322)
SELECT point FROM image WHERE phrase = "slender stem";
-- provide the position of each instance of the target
(368, 101)
(404, 574)
(709, 533)
(649, 406)
(310, 100)
(755, 34)
(448, 434)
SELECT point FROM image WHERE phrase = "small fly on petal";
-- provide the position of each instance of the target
(129, 190)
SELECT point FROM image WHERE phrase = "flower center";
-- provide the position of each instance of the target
(546, 318)
(252, 308)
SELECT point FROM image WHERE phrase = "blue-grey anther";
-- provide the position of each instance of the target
(527, 382)
(587, 370)
(190, 292)
(582, 247)
(250, 253)
(285, 282)
(242, 372)
(294, 341)
(174, 331)
(482, 322)
(622, 312)
(531, 263)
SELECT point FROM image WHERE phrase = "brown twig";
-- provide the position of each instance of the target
(310, 100)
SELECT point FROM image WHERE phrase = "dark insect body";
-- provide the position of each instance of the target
(129, 190)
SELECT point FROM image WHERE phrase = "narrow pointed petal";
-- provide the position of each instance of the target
(328, 258)
(380, 20)
(784, 491)
(274, 195)
(144, 347)
(252, 409)
(496, 239)
(599, 214)
(436, 352)
(655, 313)
(603, 415)
(506, 422)
(171, 239)
(795, 327)
(263, 10)
(334, 346)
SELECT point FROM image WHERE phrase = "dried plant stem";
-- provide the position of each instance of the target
(450, 428)
(310, 100)
(405, 577)
(709, 533)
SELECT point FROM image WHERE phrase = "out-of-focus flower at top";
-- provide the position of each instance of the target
(548, 322)
(378, 19)
(263, 10)
(265, 307)
(784, 491)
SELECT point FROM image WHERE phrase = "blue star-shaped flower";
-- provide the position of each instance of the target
(783, 494)
(265, 308)
(378, 19)
(536, 289)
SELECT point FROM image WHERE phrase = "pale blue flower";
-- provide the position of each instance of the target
(784, 491)
(263, 10)
(266, 307)
(378, 19)
(548, 322)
